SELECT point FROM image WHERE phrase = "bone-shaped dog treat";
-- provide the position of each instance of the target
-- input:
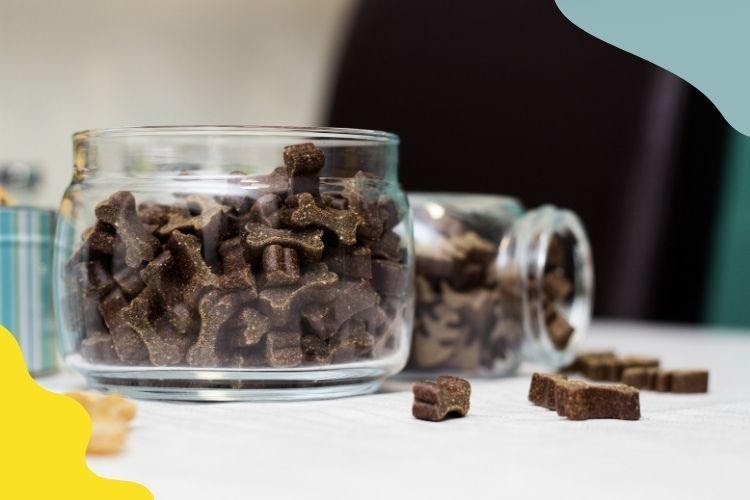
(248, 327)
(303, 163)
(195, 275)
(119, 211)
(308, 244)
(205, 218)
(316, 350)
(127, 343)
(351, 297)
(158, 214)
(374, 318)
(129, 280)
(387, 246)
(99, 348)
(362, 198)
(165, 345)
(283, 349)
(266, 209)
(352, 341)
(559, 329)
(280, 266)
(542, 389)
(582, 401)
(388, 212)
(283, 304)
(97, 242)
(93, 277)
(341, 222)
(434, 401)
(640, 377)
(389, 278)
(237, 273)
(214, 310)
(578, 400)
(354, 262)
(680, 381)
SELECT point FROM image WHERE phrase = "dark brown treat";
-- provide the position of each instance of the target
(308, 244)
(194, 274)
(351, 297)
(447, 397)
(205, 218)
(129, 280)
(277, 182)
(266, 210)
(98, 243)
(387, 246)
(93, 278)
(127, 343)
(352, 342)
(343, 223)
(283, 303)
(119, 211)
(389, 278)
(280, 266)
(283, 349)
(581, 361)
(559, 330)
(633, 362)
(166, 346)
(639, 377)
(602, 369)
(361, 194)
(388, 212)
(237, 274)
(214, 310)
(99, 348)
(316, 350)
(335, 200)
(689, 381)
(582, 401)
(155, 214)
(353, 262)
(303, 164)
(542, 389)
(248, 328)
(663, 381)
(472, 247)
(556, 287)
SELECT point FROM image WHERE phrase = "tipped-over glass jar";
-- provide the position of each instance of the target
(496, 284)
(235, 262)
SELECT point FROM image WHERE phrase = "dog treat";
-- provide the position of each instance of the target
(280, 266)
(680, 381)
(119, 212)
(542, 389)
(578, 400)
(110, 415)
(277, 271)
(445, 397)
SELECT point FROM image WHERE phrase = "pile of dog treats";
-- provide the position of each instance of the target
(282, 270)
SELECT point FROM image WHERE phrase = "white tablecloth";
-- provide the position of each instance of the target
(370, 447)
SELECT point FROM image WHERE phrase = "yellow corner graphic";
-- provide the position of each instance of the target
(43, 438)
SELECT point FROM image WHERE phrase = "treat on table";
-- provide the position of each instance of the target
(579, 400)
(110, 416)
(289, 272)
(437, 400)
(680, 381)
(469, 313)
(606, 366)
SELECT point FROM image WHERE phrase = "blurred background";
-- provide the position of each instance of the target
(501, 96)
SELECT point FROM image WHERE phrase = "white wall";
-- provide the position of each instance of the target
(76, 64)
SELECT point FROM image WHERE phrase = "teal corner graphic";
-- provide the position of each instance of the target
(703, 42)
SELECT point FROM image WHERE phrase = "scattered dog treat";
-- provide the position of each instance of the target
(446, 397)
(110, 415)
(470, 310)
(680, 381)
(606, 366)
(290, 272)
(578, 400)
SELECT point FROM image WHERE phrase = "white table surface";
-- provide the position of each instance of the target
(370, 447)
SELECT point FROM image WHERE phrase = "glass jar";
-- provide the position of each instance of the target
(223, 263)
(496, 284)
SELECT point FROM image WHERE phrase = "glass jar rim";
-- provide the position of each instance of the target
(378, 136)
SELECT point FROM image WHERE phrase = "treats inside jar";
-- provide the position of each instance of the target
(280, 271)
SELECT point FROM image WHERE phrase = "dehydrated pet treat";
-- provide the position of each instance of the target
(303, 164)
(280, 266)
(447, 396)
(309, 243)
(119, 212)
(272, 272)
(578, 400)
(542, 389)
(110, 415)
(341, 222)
(283, 349)
(680, 381)
(689, 381)
(640, 377)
